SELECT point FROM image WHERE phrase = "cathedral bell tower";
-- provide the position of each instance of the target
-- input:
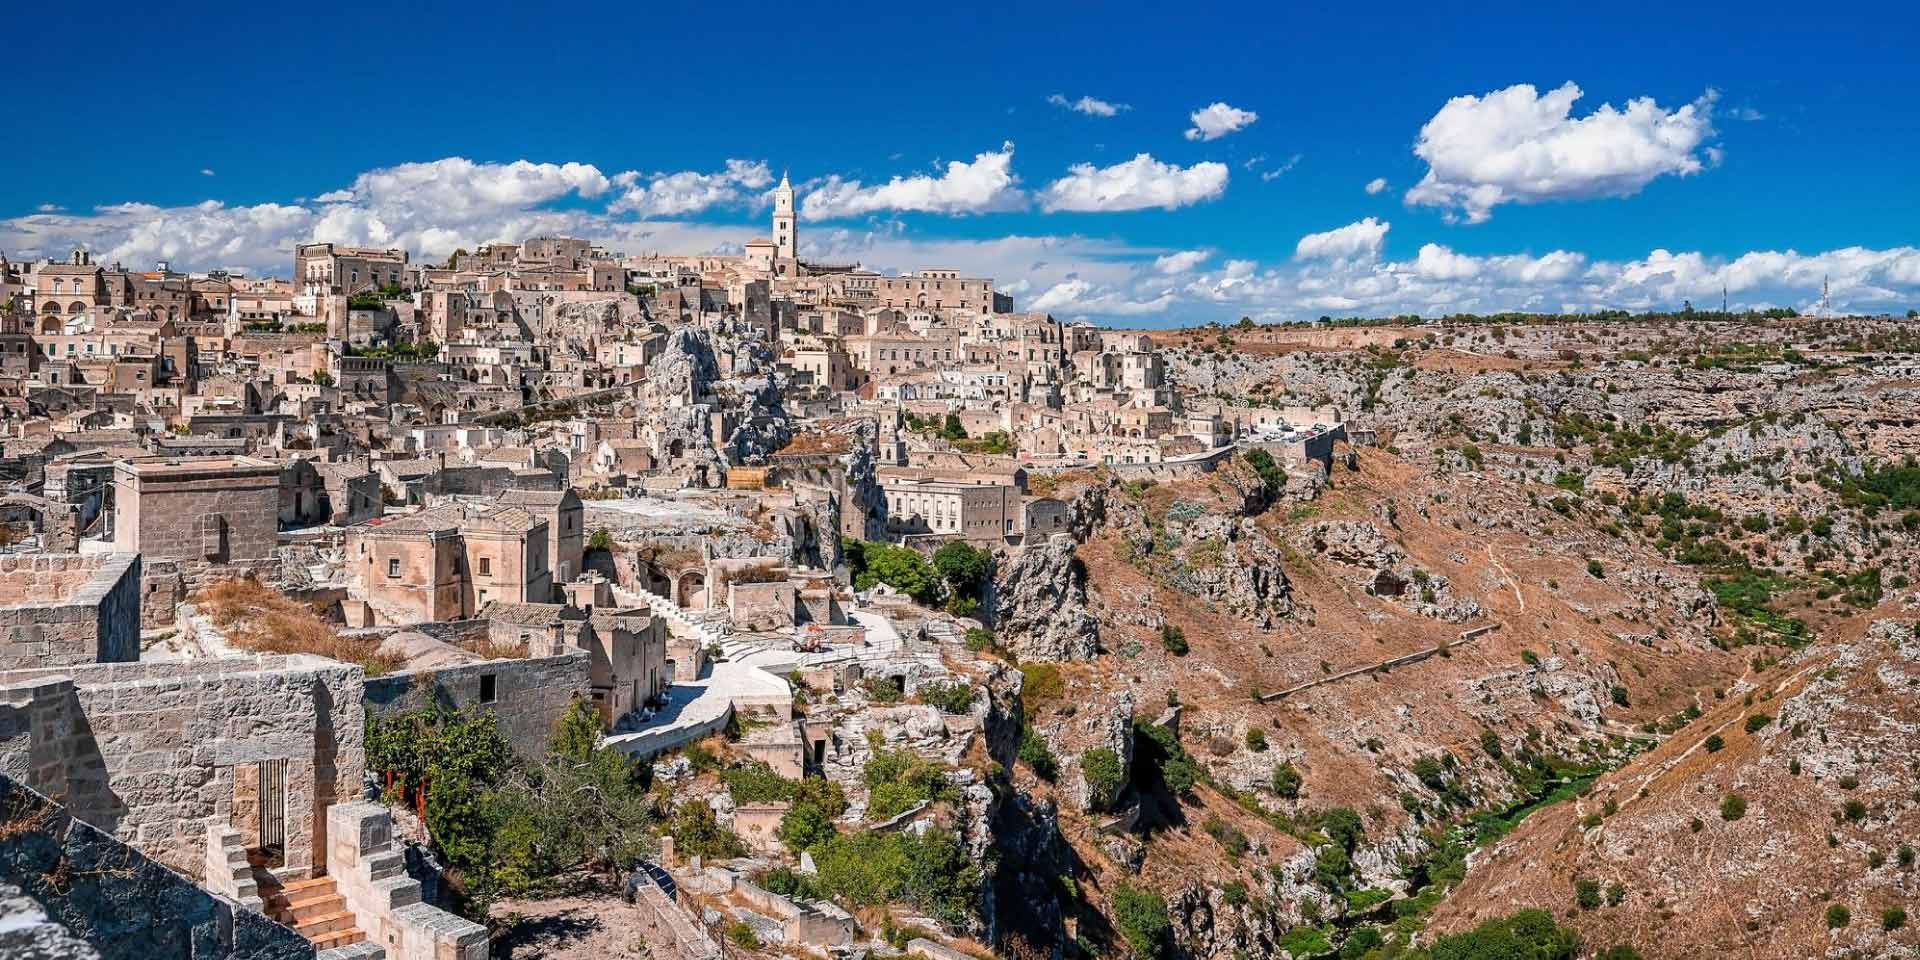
(786, 235)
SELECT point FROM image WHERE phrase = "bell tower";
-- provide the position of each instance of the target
(786, 235)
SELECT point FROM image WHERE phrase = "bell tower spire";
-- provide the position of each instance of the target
(786, 233)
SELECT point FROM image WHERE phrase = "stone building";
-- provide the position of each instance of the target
(332, 268)
(214, 509)
(566, 540)
(59, 610)
(981, 509)
(445, 563)
(158, 753)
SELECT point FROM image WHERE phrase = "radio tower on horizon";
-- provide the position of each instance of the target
(1826, 297)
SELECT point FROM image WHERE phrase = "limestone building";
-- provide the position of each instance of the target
(214, 509)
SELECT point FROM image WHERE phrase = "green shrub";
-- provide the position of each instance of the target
(1713, 743)
(1838, 916)
(901, 568)
(696, 833)
(757, 783)
(955, 697)
(1586, 893)
(1342, 825)
(1174, 639)
(899, 780)
(1528, 934)
(1037, 755)
(1257, 739)
(805, 826)
(1619, 695)
(741, 935)
(1757, 721)
(1893, 918)
(871, 869)
(1141, 917)
(1854, 811)
(1596, 571)
(1041, 683)
(1287, 780)
(1733, 807)
(1101, 767)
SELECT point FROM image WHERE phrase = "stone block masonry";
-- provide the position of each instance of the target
(370, 872)
(529, 696)
(215, 509)
(69, 609)
(153, 752)
(122, 904)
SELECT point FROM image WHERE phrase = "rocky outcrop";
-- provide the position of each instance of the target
(685, 367)
(1041, 611)
(1105, 724)
(1231, 562)
(1386, 571)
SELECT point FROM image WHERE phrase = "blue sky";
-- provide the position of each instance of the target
(1771, 145)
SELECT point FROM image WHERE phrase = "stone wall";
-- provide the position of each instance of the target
(153, 752)
(369, 871)
(65, 609)
(219, 509)
(122, 904)
(529, 696)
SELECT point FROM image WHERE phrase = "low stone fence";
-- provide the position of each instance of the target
(69, 609)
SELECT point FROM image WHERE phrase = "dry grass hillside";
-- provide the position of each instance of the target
(1814, 858)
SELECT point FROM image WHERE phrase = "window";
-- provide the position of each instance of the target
(486, 566)
(393, 566)
(489, 687)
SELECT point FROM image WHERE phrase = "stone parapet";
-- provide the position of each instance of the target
(370, 872)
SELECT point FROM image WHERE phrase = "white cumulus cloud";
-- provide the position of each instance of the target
(1136, 184)
(1216, 120)
(1179, 262)
(1091, 106)
(1520, 146)
(687, 191)
(984, 185)
(1361, 239)
(1376, 185)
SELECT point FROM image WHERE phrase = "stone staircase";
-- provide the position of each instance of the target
(313, 908)
(712, 633)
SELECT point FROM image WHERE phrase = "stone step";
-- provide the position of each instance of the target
(327, 923)
(338, 938)
(305, 910)
(294, 889)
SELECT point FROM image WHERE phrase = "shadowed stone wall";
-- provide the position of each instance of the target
(120, 903)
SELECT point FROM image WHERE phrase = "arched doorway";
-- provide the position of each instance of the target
(693, 590)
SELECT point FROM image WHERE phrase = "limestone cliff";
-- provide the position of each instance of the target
(1041, 613)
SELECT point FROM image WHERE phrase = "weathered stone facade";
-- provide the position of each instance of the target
(218, 509)
(152, 752)
(528, 696)
(65, 609)
(121, 904)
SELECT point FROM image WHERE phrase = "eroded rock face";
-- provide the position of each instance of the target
(1107, 724)
(1042, 604)
(685, 366)
(1386, 571)
(1230, 561)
